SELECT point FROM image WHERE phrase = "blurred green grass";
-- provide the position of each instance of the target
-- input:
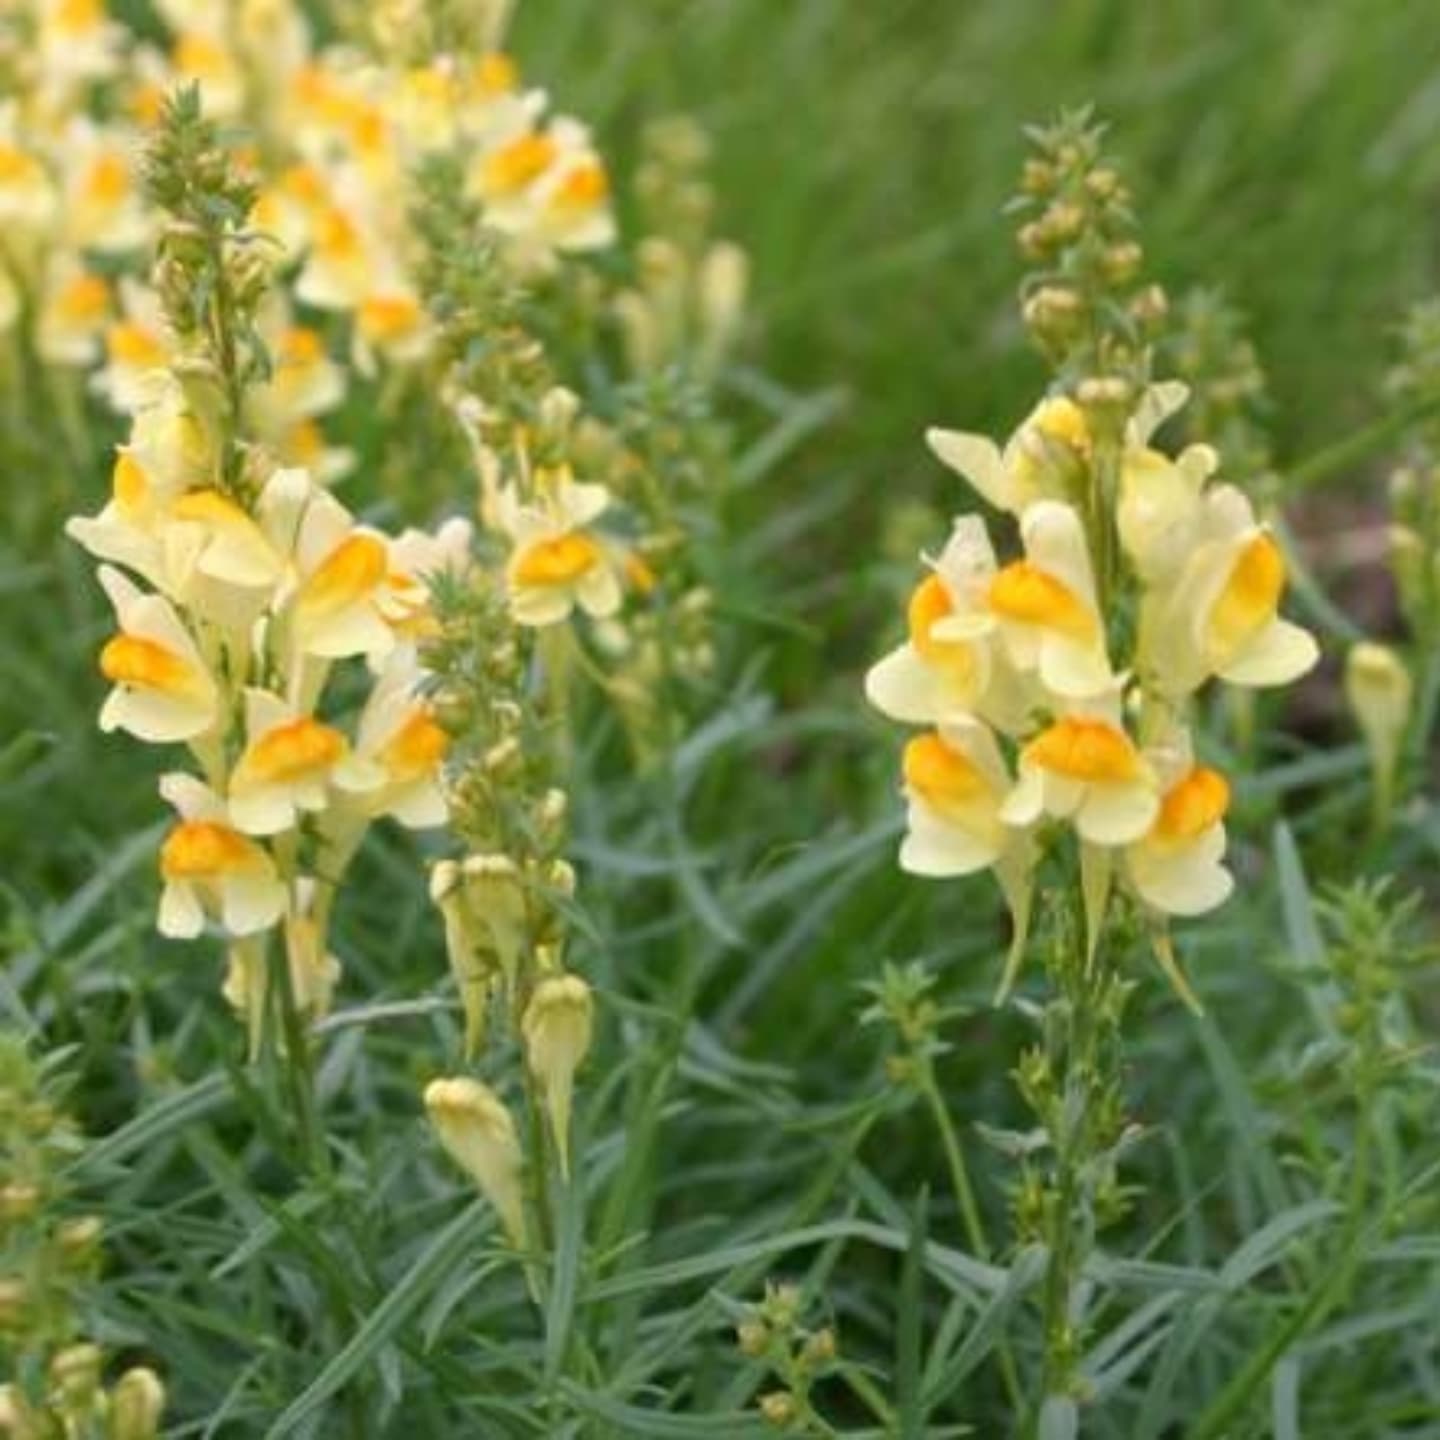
(1290, 152)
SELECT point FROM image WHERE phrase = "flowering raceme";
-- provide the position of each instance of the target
(1035, 713)
(230, 654)
(337, 133)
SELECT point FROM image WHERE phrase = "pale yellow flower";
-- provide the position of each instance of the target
(289, 766)
(163, 690)
(1046, 606)
(1177, 866)
(555, 562)
(75, 309)
(1087, 770)
(399, 735)
(950, 664)
(211, 869)
(1220, 616)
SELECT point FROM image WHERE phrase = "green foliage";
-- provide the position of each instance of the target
(1271, 1268)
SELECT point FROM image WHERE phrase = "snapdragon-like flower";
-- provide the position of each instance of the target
(400, 740)
(1086, 769)
(1043, 460)
(163, 690)
(1220, 614)
(1177, 866)
(1046, 605)
(556, 563)
(951, 663)
(290, 764)
(210, 868)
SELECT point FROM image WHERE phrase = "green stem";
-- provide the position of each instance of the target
(955, 1159)
(969, 1210)
(293, 1055)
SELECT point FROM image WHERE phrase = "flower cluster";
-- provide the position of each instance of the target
(498, 655)
(1054, 684)
(336, 131)
(249, 603)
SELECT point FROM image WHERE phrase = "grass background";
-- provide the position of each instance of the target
(863, 154)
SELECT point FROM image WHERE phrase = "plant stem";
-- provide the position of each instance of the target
(969, 1209)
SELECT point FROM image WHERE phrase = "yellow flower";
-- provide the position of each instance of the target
(289, 765)
(1086, 769)
(1041, 461)
(28, 199)
(103, 206)
(1220, 615)
(555, 563)
(74, 311)
(1177, 866)
(210, 868)
(955, 783)
(1046, 607)
(341, 571)
(163, 690)
(398, 733)
(950, 664)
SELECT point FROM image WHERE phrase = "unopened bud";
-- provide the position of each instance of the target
(75, 1374)
(1150, 307)
(558, 1025)
(1053, 314)
(1381, 693)
(820, 1348)
(19, 1200)
(478, 1134)
(79, 1239)
(753, 1338)
(778, 1408)
(503, 756)
(1037, 177)
(136, 1404)
(1063, 222)
(1121, 262)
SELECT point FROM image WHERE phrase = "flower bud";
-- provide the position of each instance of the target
(753, 1338)
(482, 902)
(14, 1302)
(820, 1348)
(478, 1134)
(136, 1403)
(17, 1420)
(1054, 315)
(1380, 692)
(79, 1239)
(558, 1025)
(19, 1200)
(1037, 176)
(75, 1375)
(778, 1408)
(722, 284)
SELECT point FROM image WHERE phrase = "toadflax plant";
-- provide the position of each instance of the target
(1053, 683)
(242, 591)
